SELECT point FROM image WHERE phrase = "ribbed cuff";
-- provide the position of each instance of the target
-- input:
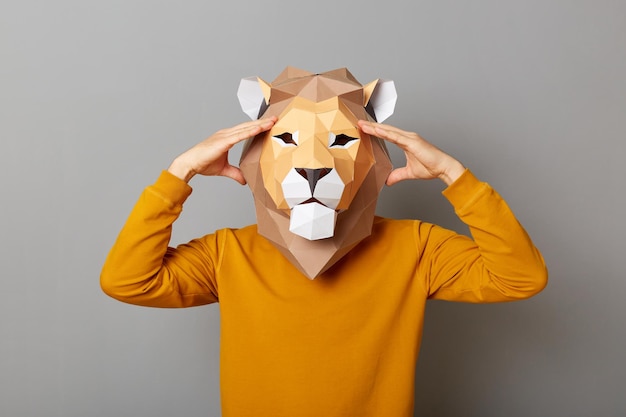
(463, 190)
(172, 188)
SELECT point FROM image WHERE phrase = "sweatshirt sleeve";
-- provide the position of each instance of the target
(142, 269)
(499, 262)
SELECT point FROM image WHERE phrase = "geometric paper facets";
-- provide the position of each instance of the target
(312, 221)
(315, 176)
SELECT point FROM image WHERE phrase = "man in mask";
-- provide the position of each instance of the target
(321, 302)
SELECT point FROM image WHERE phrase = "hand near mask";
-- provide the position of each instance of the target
(210, 157)
(423, 160)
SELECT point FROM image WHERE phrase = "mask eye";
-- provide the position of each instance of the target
(341, 140)
(287, 139)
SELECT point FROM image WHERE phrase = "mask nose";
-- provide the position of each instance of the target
(313, 175)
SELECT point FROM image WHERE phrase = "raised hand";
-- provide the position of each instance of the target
(210, 157)
(423, 160)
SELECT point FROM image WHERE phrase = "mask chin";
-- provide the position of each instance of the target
(312, 221)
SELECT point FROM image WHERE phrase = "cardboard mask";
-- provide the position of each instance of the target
(315, 176)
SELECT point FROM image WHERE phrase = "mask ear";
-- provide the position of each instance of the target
(254, 96)
(380, 99)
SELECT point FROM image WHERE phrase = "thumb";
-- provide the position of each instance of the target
(397, 175)
(234, 173)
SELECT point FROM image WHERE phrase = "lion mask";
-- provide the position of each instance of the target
(315, 176)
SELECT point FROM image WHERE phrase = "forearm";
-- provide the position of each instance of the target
(135, 270)
(500, 263)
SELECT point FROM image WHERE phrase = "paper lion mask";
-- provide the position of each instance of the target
(315, 176)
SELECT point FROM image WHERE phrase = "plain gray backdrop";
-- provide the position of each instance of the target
(96, 98)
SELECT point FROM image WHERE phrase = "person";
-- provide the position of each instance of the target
(345, 343)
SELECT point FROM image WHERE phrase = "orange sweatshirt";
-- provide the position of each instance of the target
(346, 343)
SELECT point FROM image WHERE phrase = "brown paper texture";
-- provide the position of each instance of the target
(315, 176)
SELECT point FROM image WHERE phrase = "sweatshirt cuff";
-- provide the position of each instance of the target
(172, 188)
(463, 190)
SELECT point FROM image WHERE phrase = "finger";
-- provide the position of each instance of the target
(388, 128)
(366, 126)
(387, 132)
(240, 133)
(397, 138)
(265, 124)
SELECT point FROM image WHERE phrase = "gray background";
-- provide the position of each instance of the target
(97, 97)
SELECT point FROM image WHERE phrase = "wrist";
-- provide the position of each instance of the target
(182, 170)
(452, 172)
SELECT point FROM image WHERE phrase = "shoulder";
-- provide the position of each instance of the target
(383, 226)
(233, 234)
(245, 239)
(398, 234)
